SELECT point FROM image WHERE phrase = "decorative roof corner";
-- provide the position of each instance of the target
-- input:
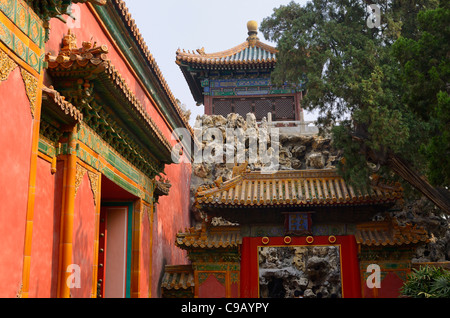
(87, 77)
(60, 106)
(390, 233)
(162, 188)
(208, 236)
(71, 55)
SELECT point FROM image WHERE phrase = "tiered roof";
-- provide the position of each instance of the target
(249, 55)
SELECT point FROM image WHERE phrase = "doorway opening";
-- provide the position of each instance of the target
(115, 241)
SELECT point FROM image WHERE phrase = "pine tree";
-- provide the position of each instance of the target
(369, 78)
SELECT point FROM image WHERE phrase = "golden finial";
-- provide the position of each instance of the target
(252, 27)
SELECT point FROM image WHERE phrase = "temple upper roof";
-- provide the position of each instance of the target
(250, 54)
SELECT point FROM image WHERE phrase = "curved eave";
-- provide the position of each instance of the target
(301, 205)
(110, 85)
(125, 32)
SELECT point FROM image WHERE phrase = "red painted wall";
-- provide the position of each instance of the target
(144, 284)
(390, 287)
(15, 145)
(46, 231)
(84, 237)
(212, 288)
(171, 216)
(174, 210)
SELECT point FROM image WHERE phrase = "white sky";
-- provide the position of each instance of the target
(216, 25)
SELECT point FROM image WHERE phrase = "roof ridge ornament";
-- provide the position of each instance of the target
(252, 27)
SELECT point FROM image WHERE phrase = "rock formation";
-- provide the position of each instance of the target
(313, 270)
(298, 152)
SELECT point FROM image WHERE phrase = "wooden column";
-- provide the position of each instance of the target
(36, 105)
(68, 216)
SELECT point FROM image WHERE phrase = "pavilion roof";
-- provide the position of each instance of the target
(245, 55)
(250, 55)
(302, 188)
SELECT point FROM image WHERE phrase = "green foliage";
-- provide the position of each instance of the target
(425, 75)
(427, 282)
(385, 86)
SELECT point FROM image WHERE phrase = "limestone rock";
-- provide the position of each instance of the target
(315, 160)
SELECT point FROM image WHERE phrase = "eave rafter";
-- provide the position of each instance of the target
(303, 188)
(91, 82)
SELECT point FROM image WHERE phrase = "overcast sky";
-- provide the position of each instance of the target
(216, 25)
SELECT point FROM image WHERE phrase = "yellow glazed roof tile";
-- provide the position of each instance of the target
(300, 188)
(389, 233)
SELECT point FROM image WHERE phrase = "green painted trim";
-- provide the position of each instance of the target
(125, 41)
(46, 148)
(31, 26)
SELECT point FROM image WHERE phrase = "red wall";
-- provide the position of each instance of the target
(15, 145)
(46, 229)
(171, 216)
(211, 288)
(391, 284)
(173, 211)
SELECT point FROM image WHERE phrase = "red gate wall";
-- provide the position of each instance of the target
(351, 282)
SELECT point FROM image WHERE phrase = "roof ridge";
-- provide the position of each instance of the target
(227, 53)
(131, 24)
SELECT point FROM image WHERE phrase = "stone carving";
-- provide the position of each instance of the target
(296, 152)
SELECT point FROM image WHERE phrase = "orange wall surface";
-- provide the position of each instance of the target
(15, 145)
